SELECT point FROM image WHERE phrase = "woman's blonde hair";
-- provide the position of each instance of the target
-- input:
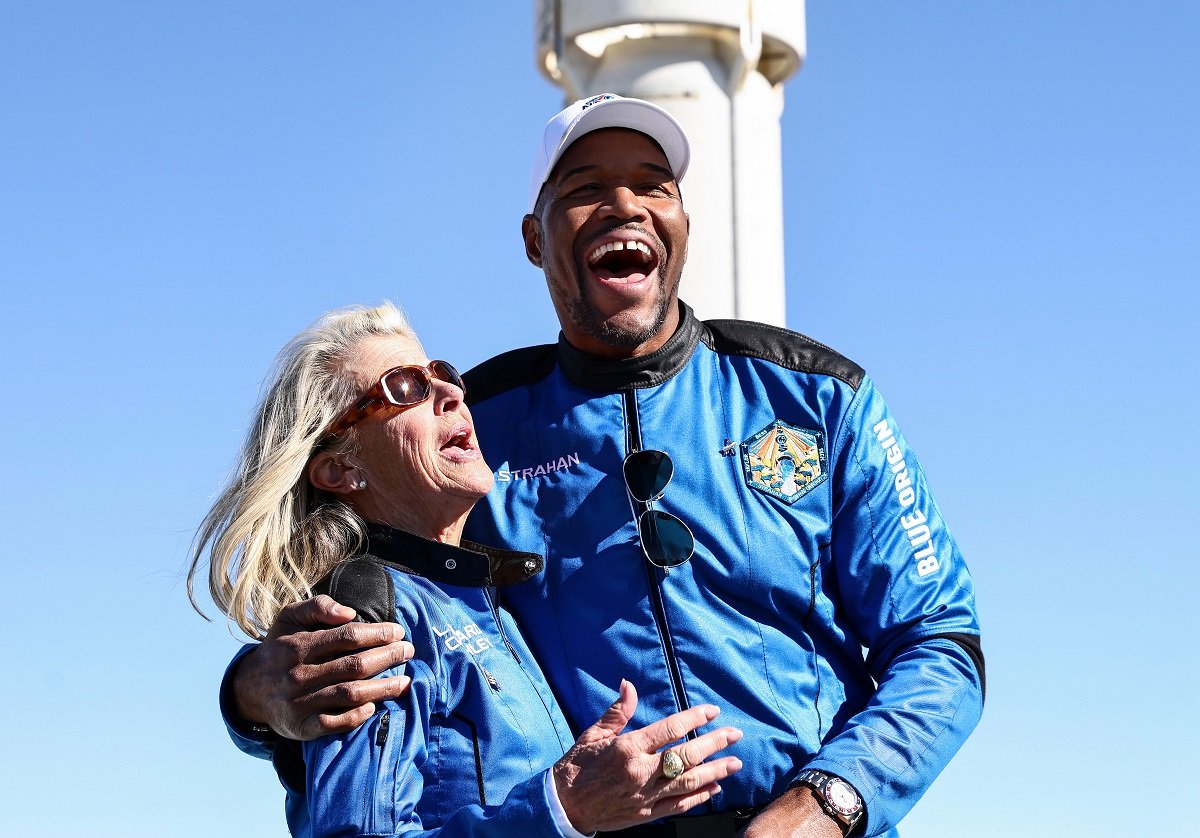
(270, 535)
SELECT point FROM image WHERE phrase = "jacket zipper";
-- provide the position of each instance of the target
(812, 604)
(487, 592)
(653, 577)
(371, 803)
(385, 721)
(470, 723)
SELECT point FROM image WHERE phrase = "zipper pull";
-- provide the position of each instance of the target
(385, 722)
(491, 679)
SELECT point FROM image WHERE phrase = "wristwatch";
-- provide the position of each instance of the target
(837, 797)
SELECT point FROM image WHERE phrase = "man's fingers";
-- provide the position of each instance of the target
(339, 697)
(349, 670)
(320, 646)
(343, 707)
(308, 614)
(325, 724)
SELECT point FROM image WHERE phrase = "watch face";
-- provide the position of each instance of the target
(842, 797)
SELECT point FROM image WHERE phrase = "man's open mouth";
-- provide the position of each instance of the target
(629, 260)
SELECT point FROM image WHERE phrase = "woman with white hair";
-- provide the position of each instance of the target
(355, 480)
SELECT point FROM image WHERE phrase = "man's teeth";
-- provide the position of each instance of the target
(641, 247)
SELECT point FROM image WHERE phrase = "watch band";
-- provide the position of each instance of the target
(840, 800)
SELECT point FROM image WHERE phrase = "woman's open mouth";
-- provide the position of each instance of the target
(460, 445)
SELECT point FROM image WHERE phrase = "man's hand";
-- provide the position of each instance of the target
(307, 680)
(794, 814)
(609, 780)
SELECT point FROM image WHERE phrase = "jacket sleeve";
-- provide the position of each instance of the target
(908, 596)
(367, 782)
(256, 743)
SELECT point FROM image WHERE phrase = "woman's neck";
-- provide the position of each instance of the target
(443, 528)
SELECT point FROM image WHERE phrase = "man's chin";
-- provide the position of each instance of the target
(625, 329)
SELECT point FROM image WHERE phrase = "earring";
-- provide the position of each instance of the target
(361, 484)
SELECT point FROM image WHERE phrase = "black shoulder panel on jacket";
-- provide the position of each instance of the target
(516, 368)
(364, 585)
(780, 346)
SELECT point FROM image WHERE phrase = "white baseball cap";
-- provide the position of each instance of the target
(608, 110)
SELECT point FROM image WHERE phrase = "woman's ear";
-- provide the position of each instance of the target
(332, 473)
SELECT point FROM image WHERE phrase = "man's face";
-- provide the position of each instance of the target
(610, 234)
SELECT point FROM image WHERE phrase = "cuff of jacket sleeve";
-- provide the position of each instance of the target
(248, 738)
(557, 811)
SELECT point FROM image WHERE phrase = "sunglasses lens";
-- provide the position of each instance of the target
(647, 474)
(407, 385)
(666, 540)
(445, 372)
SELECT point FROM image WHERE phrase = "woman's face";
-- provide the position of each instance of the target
(422, 465)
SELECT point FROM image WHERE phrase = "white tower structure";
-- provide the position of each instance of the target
(719, 67)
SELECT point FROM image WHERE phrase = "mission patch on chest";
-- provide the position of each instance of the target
(784, 461)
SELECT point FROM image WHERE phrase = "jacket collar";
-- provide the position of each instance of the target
(471, 565)
(607, 374)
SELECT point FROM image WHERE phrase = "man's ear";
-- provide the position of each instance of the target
(329, 472)
(688, 219)
(531, 231)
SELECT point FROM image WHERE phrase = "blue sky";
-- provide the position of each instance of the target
(991, 206)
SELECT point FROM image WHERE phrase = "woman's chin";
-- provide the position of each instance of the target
(471, 478)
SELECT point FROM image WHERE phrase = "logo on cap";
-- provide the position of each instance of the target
(603, 97)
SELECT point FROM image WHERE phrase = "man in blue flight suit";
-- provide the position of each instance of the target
(728, 512)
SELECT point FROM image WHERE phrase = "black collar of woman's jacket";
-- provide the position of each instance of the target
(609, 374)
(470, 565)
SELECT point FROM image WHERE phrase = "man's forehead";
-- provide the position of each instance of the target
(599, 147)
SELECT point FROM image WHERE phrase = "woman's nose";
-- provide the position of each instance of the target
(446, 396)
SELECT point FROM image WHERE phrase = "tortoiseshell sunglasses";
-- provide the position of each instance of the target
(400, 387)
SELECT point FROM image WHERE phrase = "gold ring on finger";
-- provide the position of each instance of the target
(672, 764)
